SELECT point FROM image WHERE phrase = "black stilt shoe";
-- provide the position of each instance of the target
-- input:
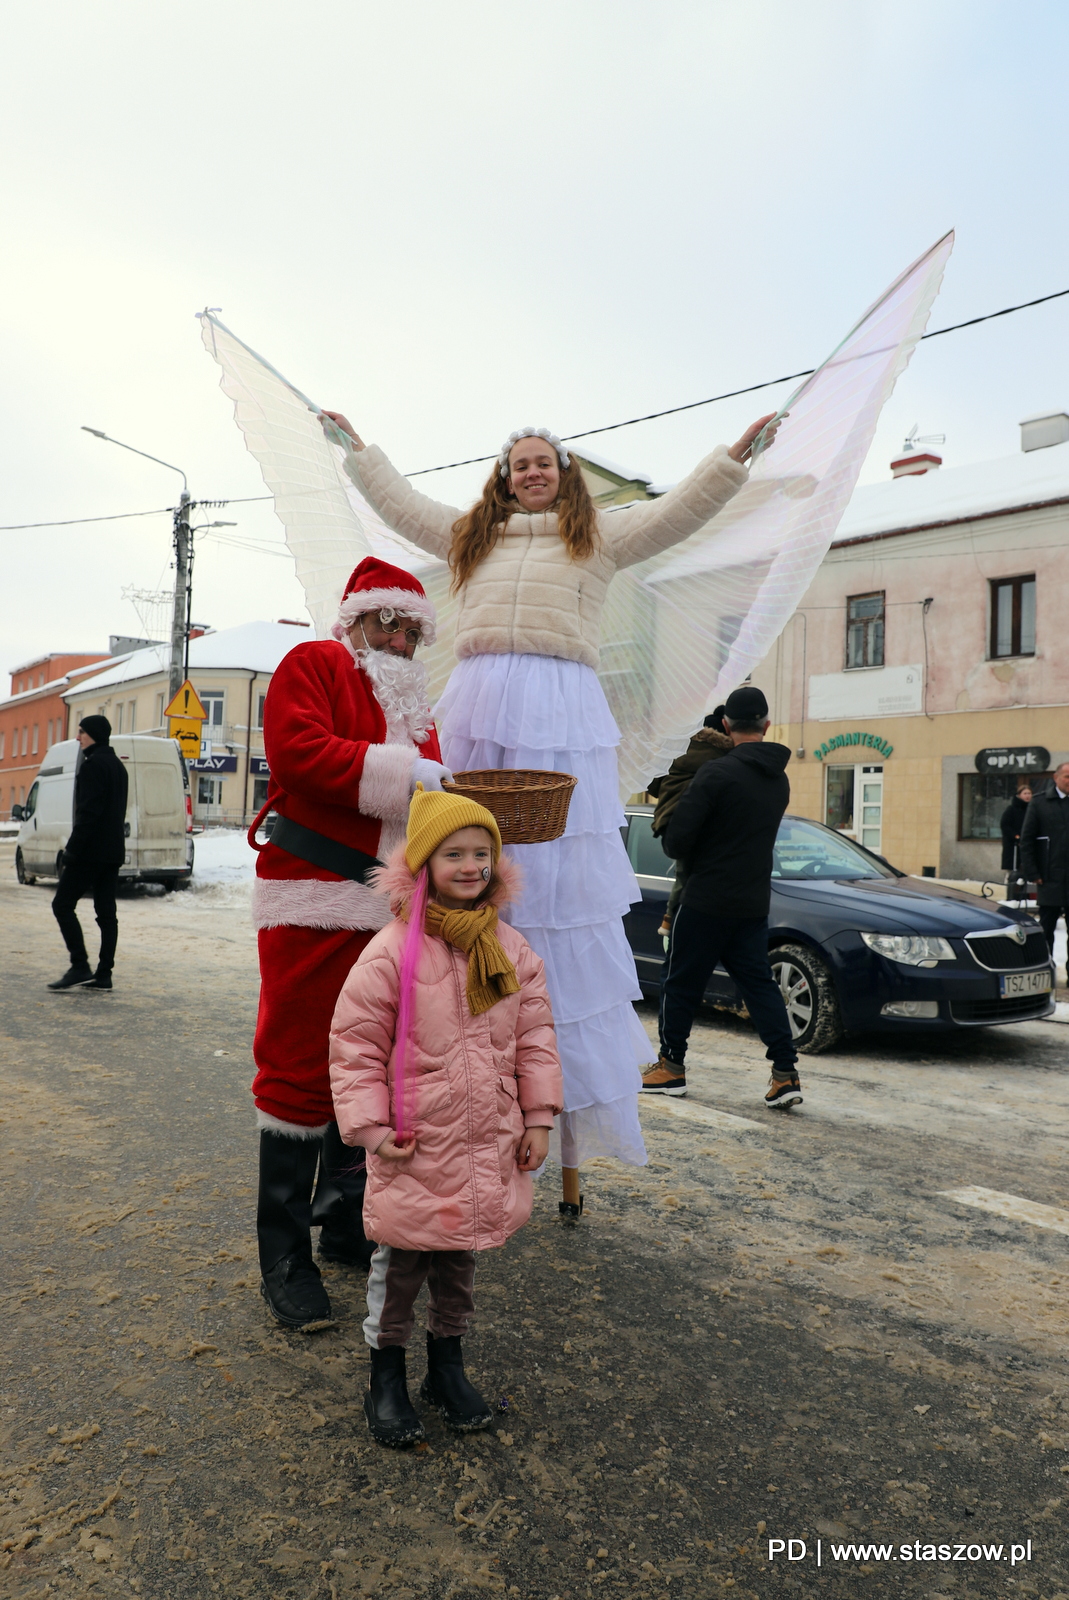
(291, 1282)
(338, 1205)
(447, 1387)
(391, 1417)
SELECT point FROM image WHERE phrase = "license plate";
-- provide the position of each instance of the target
(1011, 983)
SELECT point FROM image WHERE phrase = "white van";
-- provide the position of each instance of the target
(159, 815)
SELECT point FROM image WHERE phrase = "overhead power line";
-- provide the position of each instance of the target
(587, 433)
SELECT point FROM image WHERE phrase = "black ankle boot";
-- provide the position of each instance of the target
(446, 1387)
(291, 1283)
(338, 1205)
(391, 1417)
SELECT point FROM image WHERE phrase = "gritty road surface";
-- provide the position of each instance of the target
(785, 1327)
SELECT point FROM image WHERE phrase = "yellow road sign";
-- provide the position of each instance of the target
(186, 704)
(187, 732)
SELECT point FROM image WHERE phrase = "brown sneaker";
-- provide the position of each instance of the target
(664, 1078)
(783, 1094)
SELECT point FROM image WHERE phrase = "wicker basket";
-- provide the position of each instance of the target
(530, 807)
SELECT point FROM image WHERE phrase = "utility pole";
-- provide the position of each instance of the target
(183, 596)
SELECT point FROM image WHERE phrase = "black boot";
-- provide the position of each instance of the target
(338, 1205)
(446, 1387)
(291, 1283)
(102, 980)
(78, 972)
(391, 1417)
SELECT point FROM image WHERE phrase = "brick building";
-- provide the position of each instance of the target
(36, 716)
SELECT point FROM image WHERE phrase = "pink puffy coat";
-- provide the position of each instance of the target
(474, 1084)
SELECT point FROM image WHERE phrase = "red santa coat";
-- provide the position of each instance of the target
(338, 768)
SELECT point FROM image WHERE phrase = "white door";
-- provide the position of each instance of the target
(853, 803)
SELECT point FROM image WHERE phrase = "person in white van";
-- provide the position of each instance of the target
(93, 854)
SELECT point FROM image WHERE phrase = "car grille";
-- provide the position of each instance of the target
(1019, 1005)
(1000, 954)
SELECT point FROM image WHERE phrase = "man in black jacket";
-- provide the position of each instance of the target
(724, 828)
(1044, 851)
(93, 855)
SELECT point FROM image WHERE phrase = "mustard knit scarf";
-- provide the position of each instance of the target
(491, 975)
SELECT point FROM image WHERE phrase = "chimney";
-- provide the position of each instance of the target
(1044, 429)
(913, 464)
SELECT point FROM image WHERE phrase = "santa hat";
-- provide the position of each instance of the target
(376, 586)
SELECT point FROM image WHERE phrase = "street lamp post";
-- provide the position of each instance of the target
(183, 565)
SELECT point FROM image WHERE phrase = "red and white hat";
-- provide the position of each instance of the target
(377, 586)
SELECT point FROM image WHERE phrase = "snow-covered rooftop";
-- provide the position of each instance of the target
(950, 494)
(252, 647)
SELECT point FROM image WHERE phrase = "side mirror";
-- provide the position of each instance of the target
(17, 814)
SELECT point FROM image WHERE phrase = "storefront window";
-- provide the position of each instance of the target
(983, 797)
(839, 803)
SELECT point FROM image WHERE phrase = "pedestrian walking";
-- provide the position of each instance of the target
(347, 734)
(1010, 824)
(92, 856)
(708, 743)
(532, 561)
(724, 829)
(1044, 851)
(444, 1067)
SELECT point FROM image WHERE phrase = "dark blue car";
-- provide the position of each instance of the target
(857, 945)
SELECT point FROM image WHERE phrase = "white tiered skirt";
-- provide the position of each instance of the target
(542, 712)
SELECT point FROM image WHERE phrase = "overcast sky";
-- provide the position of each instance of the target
(451, 220)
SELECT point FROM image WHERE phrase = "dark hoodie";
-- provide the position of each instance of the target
(724, 828)
(706, 745)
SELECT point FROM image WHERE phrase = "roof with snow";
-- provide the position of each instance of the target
(252, 647)
(956, 494)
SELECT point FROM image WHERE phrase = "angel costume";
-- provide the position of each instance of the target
(683, 624)
(525, 693)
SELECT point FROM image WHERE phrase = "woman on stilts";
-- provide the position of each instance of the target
(531, 563)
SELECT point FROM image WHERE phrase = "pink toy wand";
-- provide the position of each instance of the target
(410, 954)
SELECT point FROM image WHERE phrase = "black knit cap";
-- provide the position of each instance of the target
(98, 729)
(747, 704)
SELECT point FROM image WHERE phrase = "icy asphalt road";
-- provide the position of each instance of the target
(784, 1327)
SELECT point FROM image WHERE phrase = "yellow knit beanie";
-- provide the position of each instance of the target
(434, 814)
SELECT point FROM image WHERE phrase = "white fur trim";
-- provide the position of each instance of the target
(312, 903)
(406, 602)
(386, 781)
(531, 433)
(293, 1130)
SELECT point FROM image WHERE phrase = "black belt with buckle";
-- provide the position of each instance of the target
(319, 851)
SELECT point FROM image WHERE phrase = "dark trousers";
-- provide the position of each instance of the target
(395, 1279)
(698, 942)
(88, 878)
(1048, 920)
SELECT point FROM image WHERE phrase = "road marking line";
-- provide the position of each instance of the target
(692, 1111)
(1012, 1206)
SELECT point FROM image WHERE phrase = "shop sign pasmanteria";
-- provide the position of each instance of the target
(842, 741)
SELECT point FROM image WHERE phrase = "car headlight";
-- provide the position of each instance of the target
(911, 949)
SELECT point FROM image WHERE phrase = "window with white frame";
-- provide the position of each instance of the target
(261, 701)
(131, 716)
(36, 737)
(118, 717)
(213, 701)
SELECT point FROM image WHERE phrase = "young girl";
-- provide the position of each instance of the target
(444, 1066)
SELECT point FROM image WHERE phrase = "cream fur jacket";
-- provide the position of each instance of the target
(528, 596)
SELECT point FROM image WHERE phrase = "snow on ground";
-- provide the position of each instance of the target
(224, 865)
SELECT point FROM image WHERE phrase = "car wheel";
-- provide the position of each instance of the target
(809, 995)
(20, 869)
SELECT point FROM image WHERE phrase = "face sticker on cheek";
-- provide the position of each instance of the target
(486, 874)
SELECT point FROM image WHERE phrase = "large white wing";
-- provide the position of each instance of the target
(681, 630)
(329, 525)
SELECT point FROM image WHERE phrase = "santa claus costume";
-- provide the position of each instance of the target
(347, 733)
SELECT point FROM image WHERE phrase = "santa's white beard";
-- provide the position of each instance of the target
(401, 689)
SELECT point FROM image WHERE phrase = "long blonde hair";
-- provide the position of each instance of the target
(478, 530)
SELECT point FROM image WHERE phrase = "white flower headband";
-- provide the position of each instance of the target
(532, 433)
